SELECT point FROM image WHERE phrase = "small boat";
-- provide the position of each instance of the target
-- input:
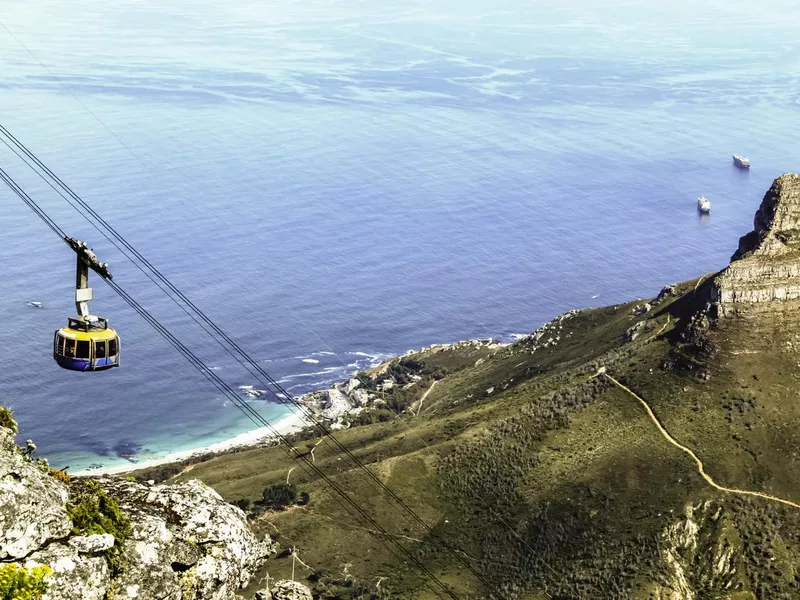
(741, 161)
(704, 205)
(35, 304)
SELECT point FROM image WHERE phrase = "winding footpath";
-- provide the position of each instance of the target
(425, 395)
(689, 451)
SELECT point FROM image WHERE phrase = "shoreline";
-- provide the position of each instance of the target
(327, 404)
(286, 425)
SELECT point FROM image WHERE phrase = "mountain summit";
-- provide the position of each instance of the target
(766, 266)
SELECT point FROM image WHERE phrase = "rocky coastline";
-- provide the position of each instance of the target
(336, 407)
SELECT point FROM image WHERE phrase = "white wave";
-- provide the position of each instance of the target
(517, 336)
(325, 371)
(286, 425)
(311, 361)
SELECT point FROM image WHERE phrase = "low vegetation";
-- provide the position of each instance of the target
(7, 419)
(19, 583)
(544, 481)
(93, 511)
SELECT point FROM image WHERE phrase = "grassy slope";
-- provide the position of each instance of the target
(555, 484)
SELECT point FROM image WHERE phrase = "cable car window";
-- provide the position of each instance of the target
(83, 349)
(100, 349)
(112, 347)
(69, 347)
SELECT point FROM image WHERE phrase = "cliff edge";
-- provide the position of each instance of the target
(116, 538)
(766, 265)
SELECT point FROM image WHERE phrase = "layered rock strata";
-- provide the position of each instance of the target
(764, 274)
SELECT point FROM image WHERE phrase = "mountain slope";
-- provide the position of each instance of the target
(551, 481)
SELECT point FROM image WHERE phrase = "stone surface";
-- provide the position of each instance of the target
(185, 538)
(700, 552)
(75, 576)
(32, 504)
(89, 544)
(290, 590)
(765, 269)
(186, 541)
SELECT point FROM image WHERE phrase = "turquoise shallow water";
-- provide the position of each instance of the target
(341, 181)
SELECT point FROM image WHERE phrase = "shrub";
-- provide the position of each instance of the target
(279, 496)
(242, 503)
(19, 583)
(92, 510)
(59, 474)
(7, 419)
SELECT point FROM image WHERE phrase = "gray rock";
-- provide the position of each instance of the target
(75, 576)
(351, 386)
(336, 404)
(667, 290)
(263, 595)
(89, 544)
(633, 332)
(360, 397)
(290, 590)
(765, 269)
(32, 504)
(185, 537)
(186, 541)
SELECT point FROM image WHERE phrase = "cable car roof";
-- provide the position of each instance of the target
(87, 336)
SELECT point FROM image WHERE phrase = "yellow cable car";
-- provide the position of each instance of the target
(87, 343)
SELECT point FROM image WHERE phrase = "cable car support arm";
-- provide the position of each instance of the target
(86, 259)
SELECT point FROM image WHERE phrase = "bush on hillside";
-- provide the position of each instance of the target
(7, 419)
(279, 496)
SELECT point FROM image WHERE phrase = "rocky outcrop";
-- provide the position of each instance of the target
(290, 590)
(337, 401)
(184, 541)
(32, 505)
(765, 269)
(701, 553)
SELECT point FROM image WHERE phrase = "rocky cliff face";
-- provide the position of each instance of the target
(702, 553)
(183, 541)
(766, 266)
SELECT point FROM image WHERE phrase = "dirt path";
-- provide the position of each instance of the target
(425, 395)
(698, 462)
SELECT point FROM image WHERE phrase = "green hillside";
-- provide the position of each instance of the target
(551, 481)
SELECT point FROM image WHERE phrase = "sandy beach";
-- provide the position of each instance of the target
(288, 424)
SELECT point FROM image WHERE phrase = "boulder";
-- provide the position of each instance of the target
(185, 540)
(33, 505)
(290, 590)
(90, 544)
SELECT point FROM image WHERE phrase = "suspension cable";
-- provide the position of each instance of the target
(224, 340)
(226, 389)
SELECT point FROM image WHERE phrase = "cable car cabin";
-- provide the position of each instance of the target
(86, 345)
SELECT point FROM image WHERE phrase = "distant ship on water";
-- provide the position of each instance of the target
(741, 161)
(704, 205)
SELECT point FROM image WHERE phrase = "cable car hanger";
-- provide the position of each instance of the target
(87, 343)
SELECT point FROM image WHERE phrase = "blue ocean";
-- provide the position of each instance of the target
(335, 182)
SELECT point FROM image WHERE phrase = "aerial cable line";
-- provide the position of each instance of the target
(226, 389)
(282, 394)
